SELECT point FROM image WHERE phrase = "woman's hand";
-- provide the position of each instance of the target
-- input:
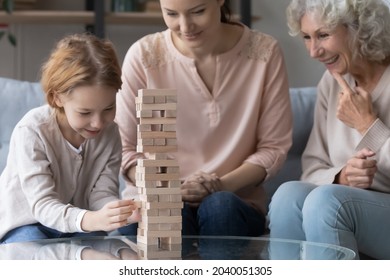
(209, 181)
(359, 171)
(196, 187)
(355, 107)
(113, 215)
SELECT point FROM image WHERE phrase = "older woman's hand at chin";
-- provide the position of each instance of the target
(355, 106)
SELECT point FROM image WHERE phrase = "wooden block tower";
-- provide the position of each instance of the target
(157, 177)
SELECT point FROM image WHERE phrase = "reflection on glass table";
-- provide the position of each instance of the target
(192, 248)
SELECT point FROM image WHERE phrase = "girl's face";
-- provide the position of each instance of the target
(330, 47)
(193, 22)
(88, 110)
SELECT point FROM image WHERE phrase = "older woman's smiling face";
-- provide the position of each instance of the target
(329, 46)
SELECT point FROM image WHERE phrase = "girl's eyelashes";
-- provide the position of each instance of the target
(171, 14)
(84, 113)
(201, 11)
(110, 108)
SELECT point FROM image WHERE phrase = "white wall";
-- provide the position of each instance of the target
(35, 41)
(302, 70)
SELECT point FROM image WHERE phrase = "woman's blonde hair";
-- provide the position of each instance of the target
(79, 60)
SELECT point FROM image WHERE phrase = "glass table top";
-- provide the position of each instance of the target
(191, 248)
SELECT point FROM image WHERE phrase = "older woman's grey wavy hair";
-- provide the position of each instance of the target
(368, 22)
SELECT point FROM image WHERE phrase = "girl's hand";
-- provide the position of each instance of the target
(113, 215)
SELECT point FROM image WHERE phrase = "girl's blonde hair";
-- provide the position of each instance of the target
(80, 60)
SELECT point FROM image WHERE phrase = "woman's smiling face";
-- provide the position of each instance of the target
(329, 46)
(193, 22)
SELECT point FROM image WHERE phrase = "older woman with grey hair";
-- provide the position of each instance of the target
(343, 197)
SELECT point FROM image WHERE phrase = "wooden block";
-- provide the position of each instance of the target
(149, 198)
(163, 184)
(158, 107)
(170, 114)
(157, 92)
(146, 184)
(167, 227)
(155, 184)
(156, 149)
(177, 226)
(169, 127)
(160, 227)
(162, 246)
(147, 169)
(156, 162)
(175, 212)
(145, 142)
(144, 114)
(174, 184)
(164, 212)
(163, 233)
(160, 99)
(173, 169)
(146, 226)
(150, 191)
(156, 220)
(158, 120)
(176, 198)
(171, 99)
(148, 240)
(160, 255)
(171, 245)
(158, 177)
(144, 99)
(171, 184)
(148, 212)
(169, 198)
(158, 156)
(160, 142)
(144, 127)
(171, 142)
(163, 205)
(157, 134)
(164, 198)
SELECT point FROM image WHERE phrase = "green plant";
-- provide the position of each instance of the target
(8, 6)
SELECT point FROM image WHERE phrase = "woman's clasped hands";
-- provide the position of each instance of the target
(196, 187)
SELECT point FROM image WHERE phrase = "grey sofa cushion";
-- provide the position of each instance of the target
(303, 103)
(16, 99)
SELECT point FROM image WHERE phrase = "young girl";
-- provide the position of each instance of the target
(61, 177)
